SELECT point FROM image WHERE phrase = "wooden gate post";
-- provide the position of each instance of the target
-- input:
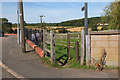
(76, 50)
(44, 41)
(35, 36)
(68, 45)
(27, 32)
(39, 38)
(82, 47)
(30, 35)
(87, 50)
(52, 37)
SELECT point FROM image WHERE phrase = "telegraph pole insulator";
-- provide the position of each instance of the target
(41, 20)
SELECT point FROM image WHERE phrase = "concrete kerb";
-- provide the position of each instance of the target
(36, 48)
(10, 34)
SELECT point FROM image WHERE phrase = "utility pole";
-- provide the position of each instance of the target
(18, 30)
(41, 20)
(22, 26)
(86, 26)
(86, 18)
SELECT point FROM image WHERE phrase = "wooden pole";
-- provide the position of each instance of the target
(87, 50)
(68, 45)
(30, 34)
(22, 26)
(39, 40)
(44, 41)
(76, 50)
(82, 47)
(86, 20)
(18, 29)
(35, 37)
(52, 37)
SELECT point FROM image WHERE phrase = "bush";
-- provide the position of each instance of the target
(104, 28)
(15, 31)
(63, 30)
(10, 31)
(94, 28)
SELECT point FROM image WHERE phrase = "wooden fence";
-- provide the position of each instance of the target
(46, 37)
(42, 38)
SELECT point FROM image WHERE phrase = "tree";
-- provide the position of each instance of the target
(112, 15)
(63, 30)
(6, 26)
(25, 24)
(3, 20)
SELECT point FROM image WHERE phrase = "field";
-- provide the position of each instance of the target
(57, 28)
(69, 28)
(61, 54)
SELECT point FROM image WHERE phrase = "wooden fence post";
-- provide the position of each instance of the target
(76, 50)
(82, 47)
(68, 45)
(87, 50)
(39, 38)
(44, 41)
(52, 37)
(27, 32)
(30, 34)
(35, 36)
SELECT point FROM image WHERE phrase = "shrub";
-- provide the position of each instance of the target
(63, 30)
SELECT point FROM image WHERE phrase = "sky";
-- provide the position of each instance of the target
(54, 12)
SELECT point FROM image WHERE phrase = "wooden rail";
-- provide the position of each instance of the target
(47, 42)
(65, 45)
(64, 41)
(45, 38)
(47, 50)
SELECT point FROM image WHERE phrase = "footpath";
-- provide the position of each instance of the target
(29, 65)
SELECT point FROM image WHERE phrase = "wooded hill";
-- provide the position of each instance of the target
(78, 22)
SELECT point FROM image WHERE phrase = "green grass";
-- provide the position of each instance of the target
(73, 64)
(47, 61)
(109, 67)
(61, 56)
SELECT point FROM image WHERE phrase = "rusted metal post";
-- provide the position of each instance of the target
(52, 37)
(76, 50)
(68, 45)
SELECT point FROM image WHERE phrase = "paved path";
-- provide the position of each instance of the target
(6, 74)
(29, 64)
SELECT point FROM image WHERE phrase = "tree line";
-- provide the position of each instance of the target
(111, 16)
(78, 23)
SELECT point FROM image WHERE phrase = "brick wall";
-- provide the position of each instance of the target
(105, 43)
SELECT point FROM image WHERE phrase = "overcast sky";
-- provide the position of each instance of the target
(54, 11)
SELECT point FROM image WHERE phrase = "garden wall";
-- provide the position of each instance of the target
(105, 42)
